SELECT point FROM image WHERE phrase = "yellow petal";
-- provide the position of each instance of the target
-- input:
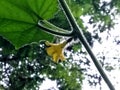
(55, 57)
(62, 45)
(55, 50)
(50, 50)
(62, 57)
(48, 43)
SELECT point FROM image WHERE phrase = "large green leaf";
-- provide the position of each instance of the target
(19, 19)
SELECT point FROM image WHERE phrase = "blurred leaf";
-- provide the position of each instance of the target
(32, 66)
(77, 47)
(80, 23)
(5, 46)
(109, 68)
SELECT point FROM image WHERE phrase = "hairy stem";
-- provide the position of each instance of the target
(78, 32)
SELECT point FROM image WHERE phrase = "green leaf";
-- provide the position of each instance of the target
(77, 47)
(19, 19)
(44, 8)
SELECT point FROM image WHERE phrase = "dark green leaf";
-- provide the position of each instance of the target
(19, 19)
(5, 46)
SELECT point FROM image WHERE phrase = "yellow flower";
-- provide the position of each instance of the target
(56, 50)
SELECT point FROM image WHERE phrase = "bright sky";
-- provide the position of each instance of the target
(110, 50)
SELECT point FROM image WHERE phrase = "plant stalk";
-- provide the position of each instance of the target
(78, 32)
(52, 30)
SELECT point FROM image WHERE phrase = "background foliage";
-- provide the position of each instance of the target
(28, 66)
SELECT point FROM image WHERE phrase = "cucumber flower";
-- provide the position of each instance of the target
(56, 50)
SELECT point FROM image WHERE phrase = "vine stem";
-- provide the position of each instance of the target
(53, 29)
(78, 32)
(52, 26)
